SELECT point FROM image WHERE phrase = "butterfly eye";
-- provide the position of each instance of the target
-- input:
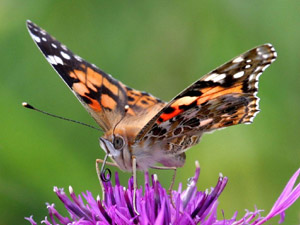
(118, 142)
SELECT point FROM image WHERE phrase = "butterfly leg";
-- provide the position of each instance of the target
(98, 170)
(134, 184)
(173, 179)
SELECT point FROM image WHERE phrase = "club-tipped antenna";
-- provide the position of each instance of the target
(28, 106)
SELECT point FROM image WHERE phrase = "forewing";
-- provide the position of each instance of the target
(224, 97)
(104, 97)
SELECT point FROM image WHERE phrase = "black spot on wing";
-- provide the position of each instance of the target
(189, 106)
(130, 99)
(158, 131)
(169, 110)
(245, 87)
(86, 100)
(192, 93)
(205, 84)
(144, 102)
(194, 122)
(228, 81)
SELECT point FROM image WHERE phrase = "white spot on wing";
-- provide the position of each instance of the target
(248, 60)
(78, 58)
(44, 39)
(248, 66)
(219, 77)
(258, 75)
(65, 55)
(238, 59)
(64, 47)
(258, 50)
(257, 69)
(265, 56)
(54, 60)
(35, 38)
(265, 67)
(54, 45)
(211, 77)
(51, 60)
(58, 60)
(254, 114)
(205, 122)
(257, 102)
(238, 75)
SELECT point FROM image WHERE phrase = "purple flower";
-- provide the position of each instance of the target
(155, 207)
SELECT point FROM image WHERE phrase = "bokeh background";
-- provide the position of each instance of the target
(160, 47)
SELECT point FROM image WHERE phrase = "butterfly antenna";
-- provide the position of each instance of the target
(28, 106)
(126, 107)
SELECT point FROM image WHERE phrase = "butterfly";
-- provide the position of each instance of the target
(141, 130)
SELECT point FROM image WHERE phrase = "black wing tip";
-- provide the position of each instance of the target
(30, 25)
(33, 29)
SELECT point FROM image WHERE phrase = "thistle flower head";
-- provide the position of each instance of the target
(190, 206)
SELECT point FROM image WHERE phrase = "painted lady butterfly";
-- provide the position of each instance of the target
(140, 130)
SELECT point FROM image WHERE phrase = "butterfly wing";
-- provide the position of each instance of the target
(104, 97)
(224, 97)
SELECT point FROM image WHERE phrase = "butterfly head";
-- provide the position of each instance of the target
(116, 146)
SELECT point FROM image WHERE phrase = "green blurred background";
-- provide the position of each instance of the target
(160, 47)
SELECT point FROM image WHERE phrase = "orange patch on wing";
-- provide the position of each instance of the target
(94, 77)
(211, 93)
(80, 75)
(208, 94)
(95, 104)
(166, 116)
(187, 100)
(113, 88)
(73, 75)
(80, 88)
(91, 78)
(108, 102)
